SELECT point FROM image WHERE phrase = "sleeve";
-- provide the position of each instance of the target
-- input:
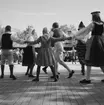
(30, 38)
(15, 38)
(51, 33)
(34, 42)
(37, 41)
(53, 39)
(64, 34)
(103, 30)
(84, 31)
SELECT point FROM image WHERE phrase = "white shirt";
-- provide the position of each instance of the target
(59, 45)
(30, 38)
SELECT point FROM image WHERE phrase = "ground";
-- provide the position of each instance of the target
(46, 92)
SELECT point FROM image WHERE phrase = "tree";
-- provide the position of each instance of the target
(72, 28)
(67, 28)
(1, 32)
(29, 28)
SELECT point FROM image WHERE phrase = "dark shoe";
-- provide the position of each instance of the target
(2, 76)
(102, 80)
(10, 76)
(45, 70)
(26, 73)
(71, 74)
(31, 76)
(51, 76)
(84, 81)
(55, 79)
(58, 73)
(56, 76)
(13, 77)
(36, 79)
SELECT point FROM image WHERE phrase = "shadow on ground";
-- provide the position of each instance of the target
(23, 90)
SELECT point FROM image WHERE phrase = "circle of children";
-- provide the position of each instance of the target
(90, 50)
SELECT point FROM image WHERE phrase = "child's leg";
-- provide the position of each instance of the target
(2, 71)
(83, 69)
(53, 72)
(31, 71)
(37, 73)
(27, 72)
(60, 60)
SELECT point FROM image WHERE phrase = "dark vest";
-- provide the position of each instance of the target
(57, 33)
(98, 29)
(6, 42)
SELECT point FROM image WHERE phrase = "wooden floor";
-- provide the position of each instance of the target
(46, 92)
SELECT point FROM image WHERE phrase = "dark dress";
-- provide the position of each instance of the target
(95, 47)
(28, 56)
(81, 50)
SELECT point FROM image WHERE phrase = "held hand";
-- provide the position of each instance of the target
(72, 36)
(65, 38)
(69, 38)
(26, 41)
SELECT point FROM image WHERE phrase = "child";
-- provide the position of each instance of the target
(45, 56)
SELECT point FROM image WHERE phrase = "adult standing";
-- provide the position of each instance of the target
(95, 45)
(7, 50)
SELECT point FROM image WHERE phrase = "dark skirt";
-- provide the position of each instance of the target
(29, 56)
(95, 51)
(81, 50)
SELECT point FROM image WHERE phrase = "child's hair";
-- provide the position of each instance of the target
(8, 28)
(55, 25)
(45, 30)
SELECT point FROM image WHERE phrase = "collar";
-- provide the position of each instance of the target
(8, 32)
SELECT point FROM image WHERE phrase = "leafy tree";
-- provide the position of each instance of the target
(72, 28)
(67, 28)
(1, 30)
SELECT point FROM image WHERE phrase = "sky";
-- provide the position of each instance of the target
(42, 13)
